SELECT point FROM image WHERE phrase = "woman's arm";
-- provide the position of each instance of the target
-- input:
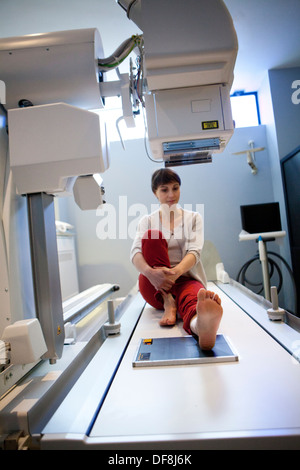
(184, 266)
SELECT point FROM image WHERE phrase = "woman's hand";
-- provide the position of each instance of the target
(162, 278)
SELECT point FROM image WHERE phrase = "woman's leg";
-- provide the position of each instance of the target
(186, 291)
(200, 310)
(170, 310)
(207, 321)
(155, 252)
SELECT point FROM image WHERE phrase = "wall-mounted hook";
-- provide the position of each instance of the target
(251, 155)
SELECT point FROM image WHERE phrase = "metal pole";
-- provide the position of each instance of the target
(265, 268)
(45, 272)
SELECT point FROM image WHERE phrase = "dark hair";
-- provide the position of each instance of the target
(164, 176)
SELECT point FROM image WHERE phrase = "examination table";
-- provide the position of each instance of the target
(252, 403)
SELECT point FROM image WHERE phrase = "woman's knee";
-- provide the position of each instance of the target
(155, 248)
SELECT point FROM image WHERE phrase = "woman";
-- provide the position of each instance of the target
(166, 252)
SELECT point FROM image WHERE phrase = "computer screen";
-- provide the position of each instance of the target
(259, 218)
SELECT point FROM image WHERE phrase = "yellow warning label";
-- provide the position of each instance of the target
(210, 125)
(147, 341)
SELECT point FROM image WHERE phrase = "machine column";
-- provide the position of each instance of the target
(45, 269)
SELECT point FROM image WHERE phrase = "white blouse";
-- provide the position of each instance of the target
(187, 237)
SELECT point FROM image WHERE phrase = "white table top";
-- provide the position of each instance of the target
(259, 392)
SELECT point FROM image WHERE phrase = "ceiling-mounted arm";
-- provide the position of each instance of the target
(52, 67)
(128, 86)
(190, 51)
(134, 80)
(120, 54)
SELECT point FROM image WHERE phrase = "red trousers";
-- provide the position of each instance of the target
(185, 289)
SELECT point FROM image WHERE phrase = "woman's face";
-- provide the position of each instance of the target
(168, 193)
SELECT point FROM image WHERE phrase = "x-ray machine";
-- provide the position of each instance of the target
(67, 378)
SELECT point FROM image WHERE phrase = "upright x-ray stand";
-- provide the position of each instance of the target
(262, 238)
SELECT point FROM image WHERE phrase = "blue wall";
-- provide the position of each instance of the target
(281, 118)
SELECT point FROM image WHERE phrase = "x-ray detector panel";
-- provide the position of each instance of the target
(181, 350)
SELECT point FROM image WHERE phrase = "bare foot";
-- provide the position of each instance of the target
(169, 316)
(209, 314)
